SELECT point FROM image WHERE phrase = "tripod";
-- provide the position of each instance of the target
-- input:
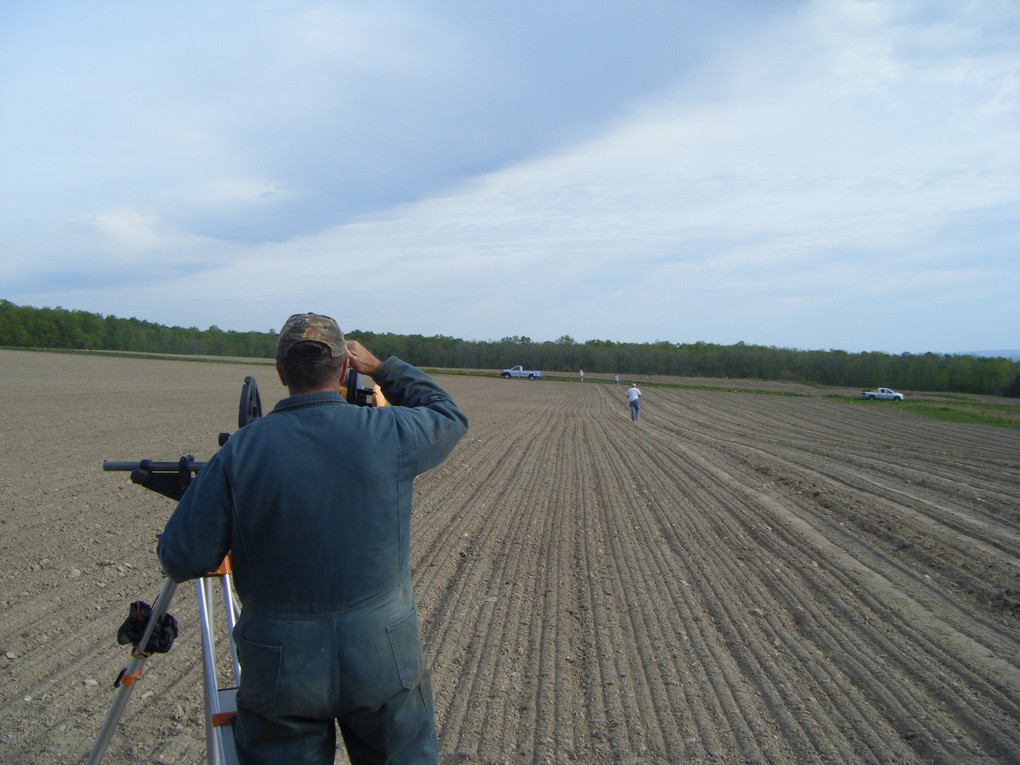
(219, 700)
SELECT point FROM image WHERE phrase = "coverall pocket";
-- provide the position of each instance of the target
(407, 651)
(260, 675)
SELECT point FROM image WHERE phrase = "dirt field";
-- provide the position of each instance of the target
(736, 578)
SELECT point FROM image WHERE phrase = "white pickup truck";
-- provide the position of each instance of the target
(882, 394)
(519, 371)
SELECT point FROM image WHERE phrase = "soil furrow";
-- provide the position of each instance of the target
(733, 578)
(871, 677)
(646, 575)
(489, 560)
(722, 569)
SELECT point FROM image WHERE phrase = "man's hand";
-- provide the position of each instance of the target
(362, 359)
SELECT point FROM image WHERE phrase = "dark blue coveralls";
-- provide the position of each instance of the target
(313, 502)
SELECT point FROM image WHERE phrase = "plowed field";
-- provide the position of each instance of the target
(735, 578)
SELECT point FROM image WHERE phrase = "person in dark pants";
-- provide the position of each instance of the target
(313, 503)
(634, 397)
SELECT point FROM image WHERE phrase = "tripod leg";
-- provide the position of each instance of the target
(219, 702)
(127, 679)
(233, 611)
(209, 681)
(226, 707)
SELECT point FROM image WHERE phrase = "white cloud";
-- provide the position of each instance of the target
(833, 159)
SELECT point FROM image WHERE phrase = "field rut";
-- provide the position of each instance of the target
(735, 578)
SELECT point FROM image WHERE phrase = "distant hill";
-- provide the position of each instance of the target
(1013, 354)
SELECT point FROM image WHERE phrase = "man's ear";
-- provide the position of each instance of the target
(344, 369)
(279, 371)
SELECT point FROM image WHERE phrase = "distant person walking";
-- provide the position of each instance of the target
(580, 373)
(616, 380)
(634, 397)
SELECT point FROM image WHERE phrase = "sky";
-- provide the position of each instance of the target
(810, 174)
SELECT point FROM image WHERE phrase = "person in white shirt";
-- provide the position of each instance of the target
(634, 396)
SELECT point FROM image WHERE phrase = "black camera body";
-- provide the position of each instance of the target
(361, 390)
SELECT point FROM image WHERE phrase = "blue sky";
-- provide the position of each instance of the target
(836, 174)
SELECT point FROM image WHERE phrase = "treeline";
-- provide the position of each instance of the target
(27, 327)
(57, 328)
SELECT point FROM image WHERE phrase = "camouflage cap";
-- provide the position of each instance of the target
(311, 328)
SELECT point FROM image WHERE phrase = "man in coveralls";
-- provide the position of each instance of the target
(313, 502)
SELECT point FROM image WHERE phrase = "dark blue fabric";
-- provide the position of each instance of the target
(364, 668)
(313, 502)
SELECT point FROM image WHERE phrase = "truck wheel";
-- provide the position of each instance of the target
(871, 398)
(531, 377)
(506, 375)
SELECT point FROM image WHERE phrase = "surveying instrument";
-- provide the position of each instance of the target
(152, 629)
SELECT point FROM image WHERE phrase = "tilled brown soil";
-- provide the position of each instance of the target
(736, 578)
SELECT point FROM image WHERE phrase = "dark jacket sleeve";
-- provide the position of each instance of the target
(427, 415)
(197, 536)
